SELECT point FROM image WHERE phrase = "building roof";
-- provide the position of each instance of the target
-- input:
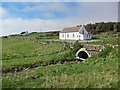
(71, 29)
(24, 32)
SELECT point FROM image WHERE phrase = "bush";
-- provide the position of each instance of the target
(5, 36)
(105, 52)
(77, 46)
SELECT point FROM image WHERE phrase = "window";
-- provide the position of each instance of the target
(79, 36)
(87, 36)
(67, 35)
(62, 35)
(73, 35)
(83, 32)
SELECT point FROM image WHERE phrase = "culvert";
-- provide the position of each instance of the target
(82, 54)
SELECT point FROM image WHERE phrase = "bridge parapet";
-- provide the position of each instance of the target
(93, 47)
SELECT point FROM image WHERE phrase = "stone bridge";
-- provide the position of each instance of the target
(88, 50)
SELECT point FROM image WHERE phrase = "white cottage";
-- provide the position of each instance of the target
(74, 33)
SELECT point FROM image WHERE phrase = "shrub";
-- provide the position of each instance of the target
(5, 36)
(77, 46)
(105, 52)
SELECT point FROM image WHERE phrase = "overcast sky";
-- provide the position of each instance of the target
(49, 16)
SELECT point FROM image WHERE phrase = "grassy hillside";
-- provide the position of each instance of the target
(105, 38)
(17, 53)
(98, 71)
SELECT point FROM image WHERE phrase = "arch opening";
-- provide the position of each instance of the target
(83, 55)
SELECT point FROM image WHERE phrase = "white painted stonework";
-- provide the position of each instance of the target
(82, 49)
(81, 34)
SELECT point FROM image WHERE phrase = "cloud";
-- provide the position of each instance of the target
(52, 7)
(99, 11)
(56, 10)
(43, 10)
(77, 13)
(17, 25)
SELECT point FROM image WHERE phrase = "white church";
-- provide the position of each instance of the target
(74, 33)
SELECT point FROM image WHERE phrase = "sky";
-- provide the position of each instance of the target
(51, 16)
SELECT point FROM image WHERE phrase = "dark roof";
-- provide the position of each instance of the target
(71, 29)
(23, 32)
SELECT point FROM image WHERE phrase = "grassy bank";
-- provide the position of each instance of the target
(100, 71)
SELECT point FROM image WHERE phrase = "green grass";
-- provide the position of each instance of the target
(18, 53)
(22, 62)
(13, 48)
(98, 71)
(105, 38)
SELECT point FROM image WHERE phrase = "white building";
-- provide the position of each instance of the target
(74, 33)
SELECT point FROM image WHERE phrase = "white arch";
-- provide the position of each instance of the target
(82, 49)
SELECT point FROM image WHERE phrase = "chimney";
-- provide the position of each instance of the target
(78, 25)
